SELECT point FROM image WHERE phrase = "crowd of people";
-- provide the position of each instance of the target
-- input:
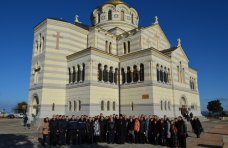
(65, 130)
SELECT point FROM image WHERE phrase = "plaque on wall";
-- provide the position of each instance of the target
(146, 96)
(116, 16)
(103, 17)
(128, 17)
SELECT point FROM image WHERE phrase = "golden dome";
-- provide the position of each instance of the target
(116, 2)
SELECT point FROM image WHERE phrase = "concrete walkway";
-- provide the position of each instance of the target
(212, 136)
(13, 134)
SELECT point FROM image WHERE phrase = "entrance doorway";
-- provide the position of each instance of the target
(183, 106)
(35, 106)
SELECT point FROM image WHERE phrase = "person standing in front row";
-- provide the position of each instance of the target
(182, 132)
(45, 130)
(111, 130)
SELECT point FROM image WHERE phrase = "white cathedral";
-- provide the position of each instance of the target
(111, 67)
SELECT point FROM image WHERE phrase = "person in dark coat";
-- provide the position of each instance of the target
(53, 126)
(103, 129)
(62, 126)
(72, 127)
(162, 132)
(182, 132)
(111, 129)
(155, 131)
(120, 127)
(142, 130)
(81, 128)
(68, 119)
(90, 130)
(197, 127)
(131, 133)
(174, 136)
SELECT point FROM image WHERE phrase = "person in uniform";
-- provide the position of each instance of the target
(90, 130)
(111, 129)
(120, 127)
(53, 126)
(62, 130)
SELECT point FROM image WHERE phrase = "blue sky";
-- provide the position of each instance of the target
(201, 24)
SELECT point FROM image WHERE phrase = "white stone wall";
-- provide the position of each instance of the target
(52, 60)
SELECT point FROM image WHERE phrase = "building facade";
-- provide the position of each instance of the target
(111, 67)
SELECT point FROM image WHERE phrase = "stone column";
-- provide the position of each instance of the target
(76, 74)
(163, 71)
(81, 72)
(138, 71)
(108, 70)
(113, 75)
(71, 71)
(125, 71)
(120, 76)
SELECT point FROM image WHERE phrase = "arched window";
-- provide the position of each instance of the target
(78, 74)
(110, 47)
(83, 72)
(114, 106)
(75, 105)
(79, 105)
(115, 77)
(70, 105)
(122, 15)
(40, 42)
(194, 87)
(169, 105)
(128, 75)
(132, 18)
(37, 47)
(102, 105)
(43, 43)
(132, 106)
(99, 17)
(161, 105)
(135, 74)
(183, 77)
(53, 107)
(99, 72)
(69, 75)
(125, 48)
(106, 46)
(74, 74)
(108, 106)
(141, 72)
(158, 73)
(123, 76)
(165, 75)
(168, 76)
(178, 73)
(129, 46)
(110, 15)
(165, 105)
(161, 74)
(105, 73)
(111, 75)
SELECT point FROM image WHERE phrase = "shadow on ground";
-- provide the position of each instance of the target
(22, 141)
(11, 141)
(209, 146)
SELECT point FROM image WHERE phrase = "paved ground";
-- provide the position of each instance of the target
(13, 134)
